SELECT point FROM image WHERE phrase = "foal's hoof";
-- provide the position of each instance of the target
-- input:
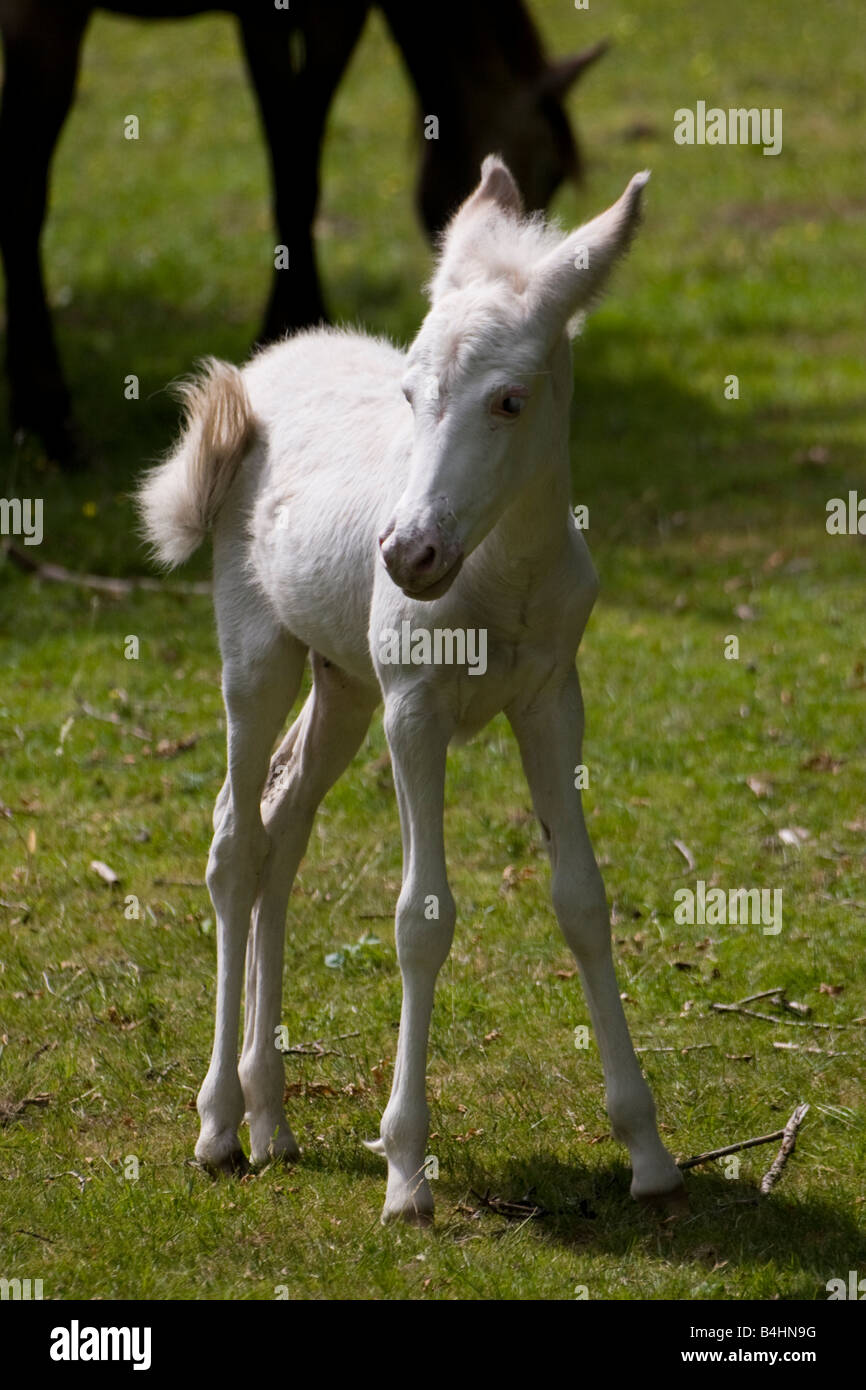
(410, 1215)
(674, 1202)
(234, 1165)
(222, 1156)
(410, 1202)
(283, 1148)
(407, 1199)
(286, 1149)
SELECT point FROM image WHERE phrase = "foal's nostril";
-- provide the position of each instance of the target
(413, 561)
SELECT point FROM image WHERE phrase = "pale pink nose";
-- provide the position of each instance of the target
(418, 557)
(409, 561)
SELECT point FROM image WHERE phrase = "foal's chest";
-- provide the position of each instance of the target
(523, 653)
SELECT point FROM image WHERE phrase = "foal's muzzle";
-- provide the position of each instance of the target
(420, 560)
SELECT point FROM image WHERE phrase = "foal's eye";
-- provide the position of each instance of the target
(511, 403)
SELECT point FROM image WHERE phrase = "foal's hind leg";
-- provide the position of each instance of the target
(259, 687)
(550, 736)
(317, 749)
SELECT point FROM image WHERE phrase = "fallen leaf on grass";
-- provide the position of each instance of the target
(511, 877)
(760, 788)
(170, 747)
(122, 1021)
(822, 762)
(686, 853)
(794, 835)
(106, 873)
(830, 989)
(378, 1071)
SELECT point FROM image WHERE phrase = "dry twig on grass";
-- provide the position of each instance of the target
(730, 1149)
(779, 996)
(789, 1140)
(101, 583)
(788, 1136)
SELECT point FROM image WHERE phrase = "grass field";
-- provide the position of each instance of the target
(707, 519)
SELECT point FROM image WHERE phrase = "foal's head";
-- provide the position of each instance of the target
(486, 378)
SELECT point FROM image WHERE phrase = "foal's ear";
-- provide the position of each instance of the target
(463, 240)
(572, 276)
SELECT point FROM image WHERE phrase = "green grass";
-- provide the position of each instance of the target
(706, 519)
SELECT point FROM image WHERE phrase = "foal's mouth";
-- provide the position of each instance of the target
(439, 586)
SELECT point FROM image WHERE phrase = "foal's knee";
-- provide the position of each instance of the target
(237, 856)
(425, 928)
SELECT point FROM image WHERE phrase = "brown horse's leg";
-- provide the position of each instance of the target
(41, 43)
(294, 93)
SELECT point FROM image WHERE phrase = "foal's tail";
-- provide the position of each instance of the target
(179, 499)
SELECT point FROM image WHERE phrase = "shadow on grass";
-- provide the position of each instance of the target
(647, 443)
(728, 1226)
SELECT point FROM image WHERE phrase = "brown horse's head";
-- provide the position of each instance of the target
(510, 99)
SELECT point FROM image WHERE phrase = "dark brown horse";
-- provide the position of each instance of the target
(477, 65)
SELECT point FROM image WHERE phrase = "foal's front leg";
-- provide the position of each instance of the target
(418, 738)
(550, 735)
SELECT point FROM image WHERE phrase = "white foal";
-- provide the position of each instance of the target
(352, 488)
